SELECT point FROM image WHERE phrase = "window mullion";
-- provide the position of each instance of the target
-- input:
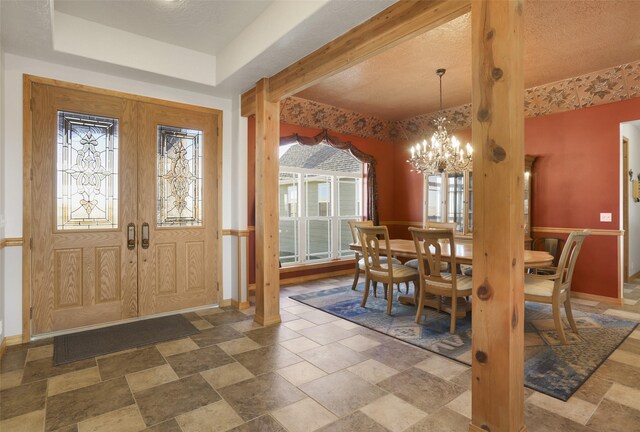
(333, 217)
(302, 221)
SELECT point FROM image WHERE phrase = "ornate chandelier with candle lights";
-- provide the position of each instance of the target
(443, 153)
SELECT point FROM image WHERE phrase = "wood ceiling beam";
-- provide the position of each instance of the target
(399, 22)
(498, 239)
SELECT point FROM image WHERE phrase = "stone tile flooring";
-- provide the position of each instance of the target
(312, 372)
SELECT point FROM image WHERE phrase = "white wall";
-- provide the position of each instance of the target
(631, 130)
(2, 208)
(14, 68)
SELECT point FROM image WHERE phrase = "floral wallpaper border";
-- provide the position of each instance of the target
(597, 88)
(308, 113)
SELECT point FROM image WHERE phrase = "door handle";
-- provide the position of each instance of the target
(131, 236)
(145, 236)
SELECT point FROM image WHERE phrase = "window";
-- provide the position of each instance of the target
(320, 192)
(87, 172)
(448, 199)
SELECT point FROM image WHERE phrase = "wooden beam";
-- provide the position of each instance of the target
(267, 211)
(248, 103)
(397, 23)
(498, 168)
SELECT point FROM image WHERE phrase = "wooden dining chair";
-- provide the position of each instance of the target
(359, 260)
(375, 245)
(554, 247)
(434, 225)
(555, 288)
(432, 279)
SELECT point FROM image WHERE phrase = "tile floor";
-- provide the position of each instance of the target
(312, 372)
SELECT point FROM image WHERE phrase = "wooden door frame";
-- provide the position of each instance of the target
(625, 210)
(27, 81)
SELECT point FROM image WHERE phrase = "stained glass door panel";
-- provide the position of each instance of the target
(178, 192)
(82, 200)
(179, 177)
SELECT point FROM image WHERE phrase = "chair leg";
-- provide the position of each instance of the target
(375, 289)
(416, 290)
(454, 313)
(389, 288)
(384, 288)
(557, 318)
(356, 277)
(420, 304)
(406, 284)
(439, 301)
(367, 284)
(569, 312)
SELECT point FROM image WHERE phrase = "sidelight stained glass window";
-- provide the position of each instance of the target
(87, 172)
(179, 177)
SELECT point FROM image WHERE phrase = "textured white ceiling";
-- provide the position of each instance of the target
(563, 39)
(200, 25)
(27, 31)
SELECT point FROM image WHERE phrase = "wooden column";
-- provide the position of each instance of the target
(498, 240)
(267, 211)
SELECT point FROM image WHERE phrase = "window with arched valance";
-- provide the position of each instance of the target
(325, 183)
(371, 210)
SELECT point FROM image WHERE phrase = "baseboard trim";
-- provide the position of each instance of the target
(598, 298)
(273, 320)
(317, 266)
(13, 340)
(226, 302)
(240, 305)
(312, 277)
(3, 346)
(474, 428)
(634, 276)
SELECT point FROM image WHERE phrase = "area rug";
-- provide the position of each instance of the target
(550, 367)
(91, 343)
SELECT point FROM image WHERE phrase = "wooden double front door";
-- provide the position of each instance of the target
(124, 216)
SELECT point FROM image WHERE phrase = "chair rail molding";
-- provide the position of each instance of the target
(11, 241)
(594, 231)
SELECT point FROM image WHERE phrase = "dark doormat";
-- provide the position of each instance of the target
(91, 343)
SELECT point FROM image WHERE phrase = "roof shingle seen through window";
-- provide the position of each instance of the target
(320, 156)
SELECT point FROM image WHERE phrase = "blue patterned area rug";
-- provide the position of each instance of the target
(550, 367)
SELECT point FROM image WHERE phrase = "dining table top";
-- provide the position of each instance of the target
(464, 252)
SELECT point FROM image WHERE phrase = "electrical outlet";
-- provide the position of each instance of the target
(605, 217)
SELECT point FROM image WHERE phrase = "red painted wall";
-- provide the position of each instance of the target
(577, 177)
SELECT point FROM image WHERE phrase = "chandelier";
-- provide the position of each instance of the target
(444, 152)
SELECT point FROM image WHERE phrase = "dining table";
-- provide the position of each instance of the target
(406, 249)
